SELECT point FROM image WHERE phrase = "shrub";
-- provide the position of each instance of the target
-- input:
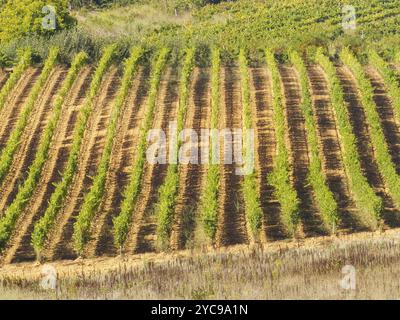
(24, 17)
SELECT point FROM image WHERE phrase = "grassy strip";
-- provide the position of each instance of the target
(23, 63)
(131, 192)
(390, 77)
(369, 204)
(46, 222)
(381, 149)
(27, 188)
(169, 189)
(251, 196)
(209, 197)
(93, 198)
(7, 153)
(324, 197)
(281, 174)
(8, 220)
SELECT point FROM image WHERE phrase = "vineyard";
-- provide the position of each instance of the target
(76, 182)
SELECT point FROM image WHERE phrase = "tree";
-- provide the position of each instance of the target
(19, 18)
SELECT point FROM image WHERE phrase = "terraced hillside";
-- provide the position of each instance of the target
(75, 180)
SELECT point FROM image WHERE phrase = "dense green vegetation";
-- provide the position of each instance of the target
(46, 222)
(93, 198)
(20, 18)
(369, 204)
(324, 197)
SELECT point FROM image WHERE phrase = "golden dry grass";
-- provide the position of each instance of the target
(309, 270)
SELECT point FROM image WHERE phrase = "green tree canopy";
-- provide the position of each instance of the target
(23, 17)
